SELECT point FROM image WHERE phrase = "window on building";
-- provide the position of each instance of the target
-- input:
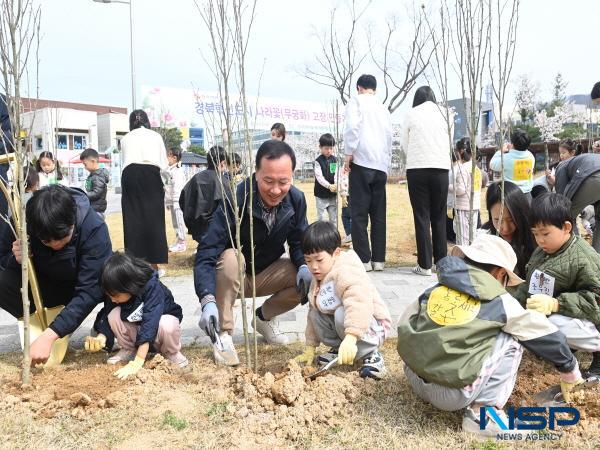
(79, 142)
(39, 143)
(61, 142)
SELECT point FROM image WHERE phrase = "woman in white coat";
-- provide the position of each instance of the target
(427, 146)
(143, 194)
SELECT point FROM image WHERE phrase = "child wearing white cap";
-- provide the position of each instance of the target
(463, 339)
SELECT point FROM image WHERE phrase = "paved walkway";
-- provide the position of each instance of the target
(398, 287)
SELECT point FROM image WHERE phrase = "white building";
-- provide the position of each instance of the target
(66, 129)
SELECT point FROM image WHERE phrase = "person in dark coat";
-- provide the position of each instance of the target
(279, 215)
(204, 191)
(6, 146)
(578, 179)
(69, 243)
(96, 184)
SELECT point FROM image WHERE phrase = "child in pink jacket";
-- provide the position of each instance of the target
(346, 312)
(461, 189)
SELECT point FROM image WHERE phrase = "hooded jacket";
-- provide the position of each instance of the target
(74, 269)
(268, 247)
(347, 284)
(570, 174)
(448, 333)
(145, 309)
(573, 272)
(200, 197)
(96, 187)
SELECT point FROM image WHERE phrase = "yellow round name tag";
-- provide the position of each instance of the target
(449, 307)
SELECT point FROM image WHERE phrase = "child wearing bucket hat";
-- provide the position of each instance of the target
(462, 339)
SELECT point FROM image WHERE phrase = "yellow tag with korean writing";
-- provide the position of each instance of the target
(477, 180)
(449, 307)
(523, 170)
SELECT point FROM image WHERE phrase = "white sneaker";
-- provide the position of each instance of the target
(269, 329)
(178, 247)
(368, 266)
(178, 359)
(378, 266)
(420, 271)
(226, 356)
(121, 356)
(347, 239)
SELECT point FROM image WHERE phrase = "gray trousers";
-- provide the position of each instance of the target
(331, 331)
(329, 206)
(492, 387)
(589, 194)
(580, 334)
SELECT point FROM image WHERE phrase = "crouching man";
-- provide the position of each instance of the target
(279, 215)
(69, 243)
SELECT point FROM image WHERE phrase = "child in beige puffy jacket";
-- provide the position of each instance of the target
(346, 312)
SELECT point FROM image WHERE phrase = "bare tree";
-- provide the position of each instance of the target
(504, 19)
(338, 58)
(19, 33)
(229, 24)
(402, 70)
(472, 48)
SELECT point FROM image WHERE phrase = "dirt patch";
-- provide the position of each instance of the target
(78, 390)
(286, 404)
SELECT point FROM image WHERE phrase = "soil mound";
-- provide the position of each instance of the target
(286, 403)
(78, 390)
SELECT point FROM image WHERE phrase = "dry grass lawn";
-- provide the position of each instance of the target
(199, 409)
(400, 230)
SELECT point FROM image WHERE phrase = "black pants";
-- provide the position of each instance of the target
(368, 202)
(53, 294)
(428, 191)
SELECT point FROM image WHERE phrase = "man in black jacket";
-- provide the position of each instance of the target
(279, 214)
(69, 243)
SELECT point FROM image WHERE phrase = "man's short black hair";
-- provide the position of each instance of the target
(216, 155)
(327, 140)
(274, 149)
(366, 81)
(89, 153)
(520, 140)
(176, 152)
(550, 209)
(51, 212)
(321, 237)
(596, 91)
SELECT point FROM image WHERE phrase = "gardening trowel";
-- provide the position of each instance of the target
(323, 369)
(553, 396)
(213, 334)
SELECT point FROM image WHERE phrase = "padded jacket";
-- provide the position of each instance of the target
(575, 269)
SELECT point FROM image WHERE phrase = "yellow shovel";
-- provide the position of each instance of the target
(40, 319)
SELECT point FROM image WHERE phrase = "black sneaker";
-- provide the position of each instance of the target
(326, 358)
(373, 366)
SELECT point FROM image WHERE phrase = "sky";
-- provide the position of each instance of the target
(84, 54)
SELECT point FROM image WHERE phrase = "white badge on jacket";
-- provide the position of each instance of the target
(541, 283)
(327, 300)
(136, 316)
